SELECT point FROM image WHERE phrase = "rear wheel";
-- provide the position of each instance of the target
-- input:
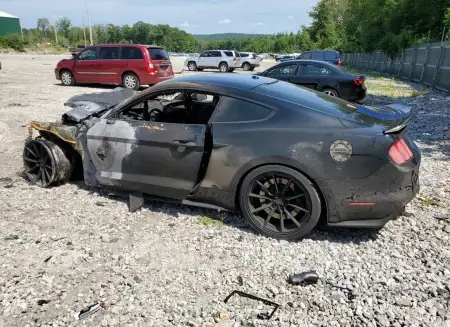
(131, 81)
(192, 66)
(331, 93)
(46, 163)
(223, 67)
(246, 66)
(67, 78)
(279, 202)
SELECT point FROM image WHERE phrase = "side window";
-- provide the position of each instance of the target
(131, 53)
(228, 53)
(315, 70)
(108, 53)
(283, 70)
(306, 55)
(216, 54)
(317, 55)
(90, 54)
(331, 55)
(205, 54)
(236, 110)
(244, 54)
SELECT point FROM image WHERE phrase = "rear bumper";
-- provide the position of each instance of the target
(148, 79)
(372, 201)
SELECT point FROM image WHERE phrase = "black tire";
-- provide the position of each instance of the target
(252, 69)
(331, 92)
(192, 66)
(200, 69)
(131, 81)
(223, 67)
(282, 223)
(246, 66)
(67, 78)
(46, 163)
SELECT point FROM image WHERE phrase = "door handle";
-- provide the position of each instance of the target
(184, 143)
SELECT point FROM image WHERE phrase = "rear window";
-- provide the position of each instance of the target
(158, 54)
(331, 55)
(244, 54)
(317, 55)
(229, 53)
(131, 53)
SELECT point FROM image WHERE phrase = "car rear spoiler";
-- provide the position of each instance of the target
(402, 118)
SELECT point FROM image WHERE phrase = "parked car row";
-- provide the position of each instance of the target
(331, 56)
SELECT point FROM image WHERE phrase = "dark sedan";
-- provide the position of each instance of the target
(320, 76)
(284, 156)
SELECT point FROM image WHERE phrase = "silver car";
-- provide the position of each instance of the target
(249, 60)
(224, 60)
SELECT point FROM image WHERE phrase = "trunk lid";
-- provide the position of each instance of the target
(392, 117)
(160, 61)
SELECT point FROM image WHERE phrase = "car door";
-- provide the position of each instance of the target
(312, 76)
(284, 72)
(85, 68)
(215, 58)
(203, 59)
(109, 64)
(161, 159)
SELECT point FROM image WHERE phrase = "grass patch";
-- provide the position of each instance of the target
(391, 88)
(427, 201)
(208, 221)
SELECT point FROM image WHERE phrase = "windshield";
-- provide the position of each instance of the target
(158, 54)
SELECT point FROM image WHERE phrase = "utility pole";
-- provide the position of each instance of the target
(56, 34)
(89, 22)
(84, 31)
(443, 36)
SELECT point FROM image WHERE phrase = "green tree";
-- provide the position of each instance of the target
(43, 24)
(63, 26)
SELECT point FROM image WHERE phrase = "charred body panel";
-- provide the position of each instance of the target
(207, 161)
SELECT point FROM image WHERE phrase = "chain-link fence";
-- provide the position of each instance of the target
(425, 63)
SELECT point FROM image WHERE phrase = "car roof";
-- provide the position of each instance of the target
(310, 61)
(126, 45)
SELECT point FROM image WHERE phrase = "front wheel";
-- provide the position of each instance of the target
(279, 202)
(67, 78)
(223, 67)
(192, 66)
(331, 93)
(131, 81)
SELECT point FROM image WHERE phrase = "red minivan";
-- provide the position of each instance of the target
(129, 65)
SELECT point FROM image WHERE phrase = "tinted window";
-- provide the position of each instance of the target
(158, 54)
(90, 54)
(315, 70)
(108, 53)
(283, 70)
(236, 54)
(317, 55)
(131, 53)
(235, 110)
(244, 54)
(331, 55)
(215, 54)
(306, 55)
(205, 54)
(229, 53)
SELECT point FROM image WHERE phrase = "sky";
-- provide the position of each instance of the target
(193, 16)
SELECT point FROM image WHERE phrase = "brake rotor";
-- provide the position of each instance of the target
(270, 185)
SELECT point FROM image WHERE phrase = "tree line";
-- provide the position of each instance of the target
(343, 25)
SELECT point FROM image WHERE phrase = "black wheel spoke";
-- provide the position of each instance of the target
(266, 206)
(253, 195)
(30, 160)
(286, 187)
(291, 217)
(44, 177)
(29, 150)
(49, 167)
(297, 207)
(275, 182)
(32, 169)
(39, 175)
(264, 188)
(269, 216)
(282, 228)
(295, 197)
(49, 178)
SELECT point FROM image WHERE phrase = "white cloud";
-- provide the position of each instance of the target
(291, 17)
(257, 24)
(225, 21)
(185, 24)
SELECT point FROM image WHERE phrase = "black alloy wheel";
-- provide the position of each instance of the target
(280, 202)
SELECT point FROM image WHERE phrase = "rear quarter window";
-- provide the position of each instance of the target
(158, 54)
(233, 110)
(331, 55)
(228, 53)
(244, 55)
(131, 53)
(317, 55)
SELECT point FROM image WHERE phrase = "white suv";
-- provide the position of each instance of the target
(224, 60)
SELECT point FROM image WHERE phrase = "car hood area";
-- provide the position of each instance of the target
(85, 106)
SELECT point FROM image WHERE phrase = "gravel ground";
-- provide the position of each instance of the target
(167, 265)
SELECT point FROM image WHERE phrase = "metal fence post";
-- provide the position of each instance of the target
(413, 63)
(438, 67)
(425, 63)
(401, 64)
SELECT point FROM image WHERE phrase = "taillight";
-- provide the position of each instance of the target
(360, 80)
(340, 63)
(400, 152)
(150, 68)
(234, 59)
(254, 57)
